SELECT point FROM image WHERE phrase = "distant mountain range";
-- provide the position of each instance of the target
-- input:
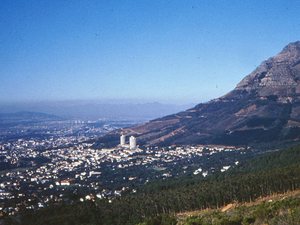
(26, 116)
(21, 118)
(264, 107)
(93, 109)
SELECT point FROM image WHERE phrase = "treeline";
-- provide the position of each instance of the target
(268, 174)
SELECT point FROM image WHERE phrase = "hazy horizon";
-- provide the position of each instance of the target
(93, 109)
(108, 101)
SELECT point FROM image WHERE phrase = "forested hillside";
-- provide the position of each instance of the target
(267, 174)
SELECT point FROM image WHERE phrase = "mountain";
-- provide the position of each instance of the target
(24, 116)
(264, 106)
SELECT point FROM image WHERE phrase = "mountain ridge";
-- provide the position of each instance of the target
(264, 106)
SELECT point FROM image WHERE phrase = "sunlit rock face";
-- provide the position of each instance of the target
(279, 75)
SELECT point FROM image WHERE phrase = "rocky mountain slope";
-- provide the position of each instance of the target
(264, 106)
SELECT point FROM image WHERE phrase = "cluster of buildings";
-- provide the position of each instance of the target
(101, 173)
(132, 142)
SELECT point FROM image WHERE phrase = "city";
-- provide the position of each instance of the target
(36, 173)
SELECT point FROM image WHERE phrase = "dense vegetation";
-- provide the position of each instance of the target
(279, 212)
(267, 174)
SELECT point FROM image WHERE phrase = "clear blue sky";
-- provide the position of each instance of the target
(165, 50)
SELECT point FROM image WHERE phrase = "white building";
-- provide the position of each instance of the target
(132, 142)
(122, 140)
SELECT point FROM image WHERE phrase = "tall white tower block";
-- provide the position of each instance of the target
(132, 142)
(122, 140)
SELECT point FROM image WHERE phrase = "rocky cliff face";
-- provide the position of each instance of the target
(265, 106)
(278, 75)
